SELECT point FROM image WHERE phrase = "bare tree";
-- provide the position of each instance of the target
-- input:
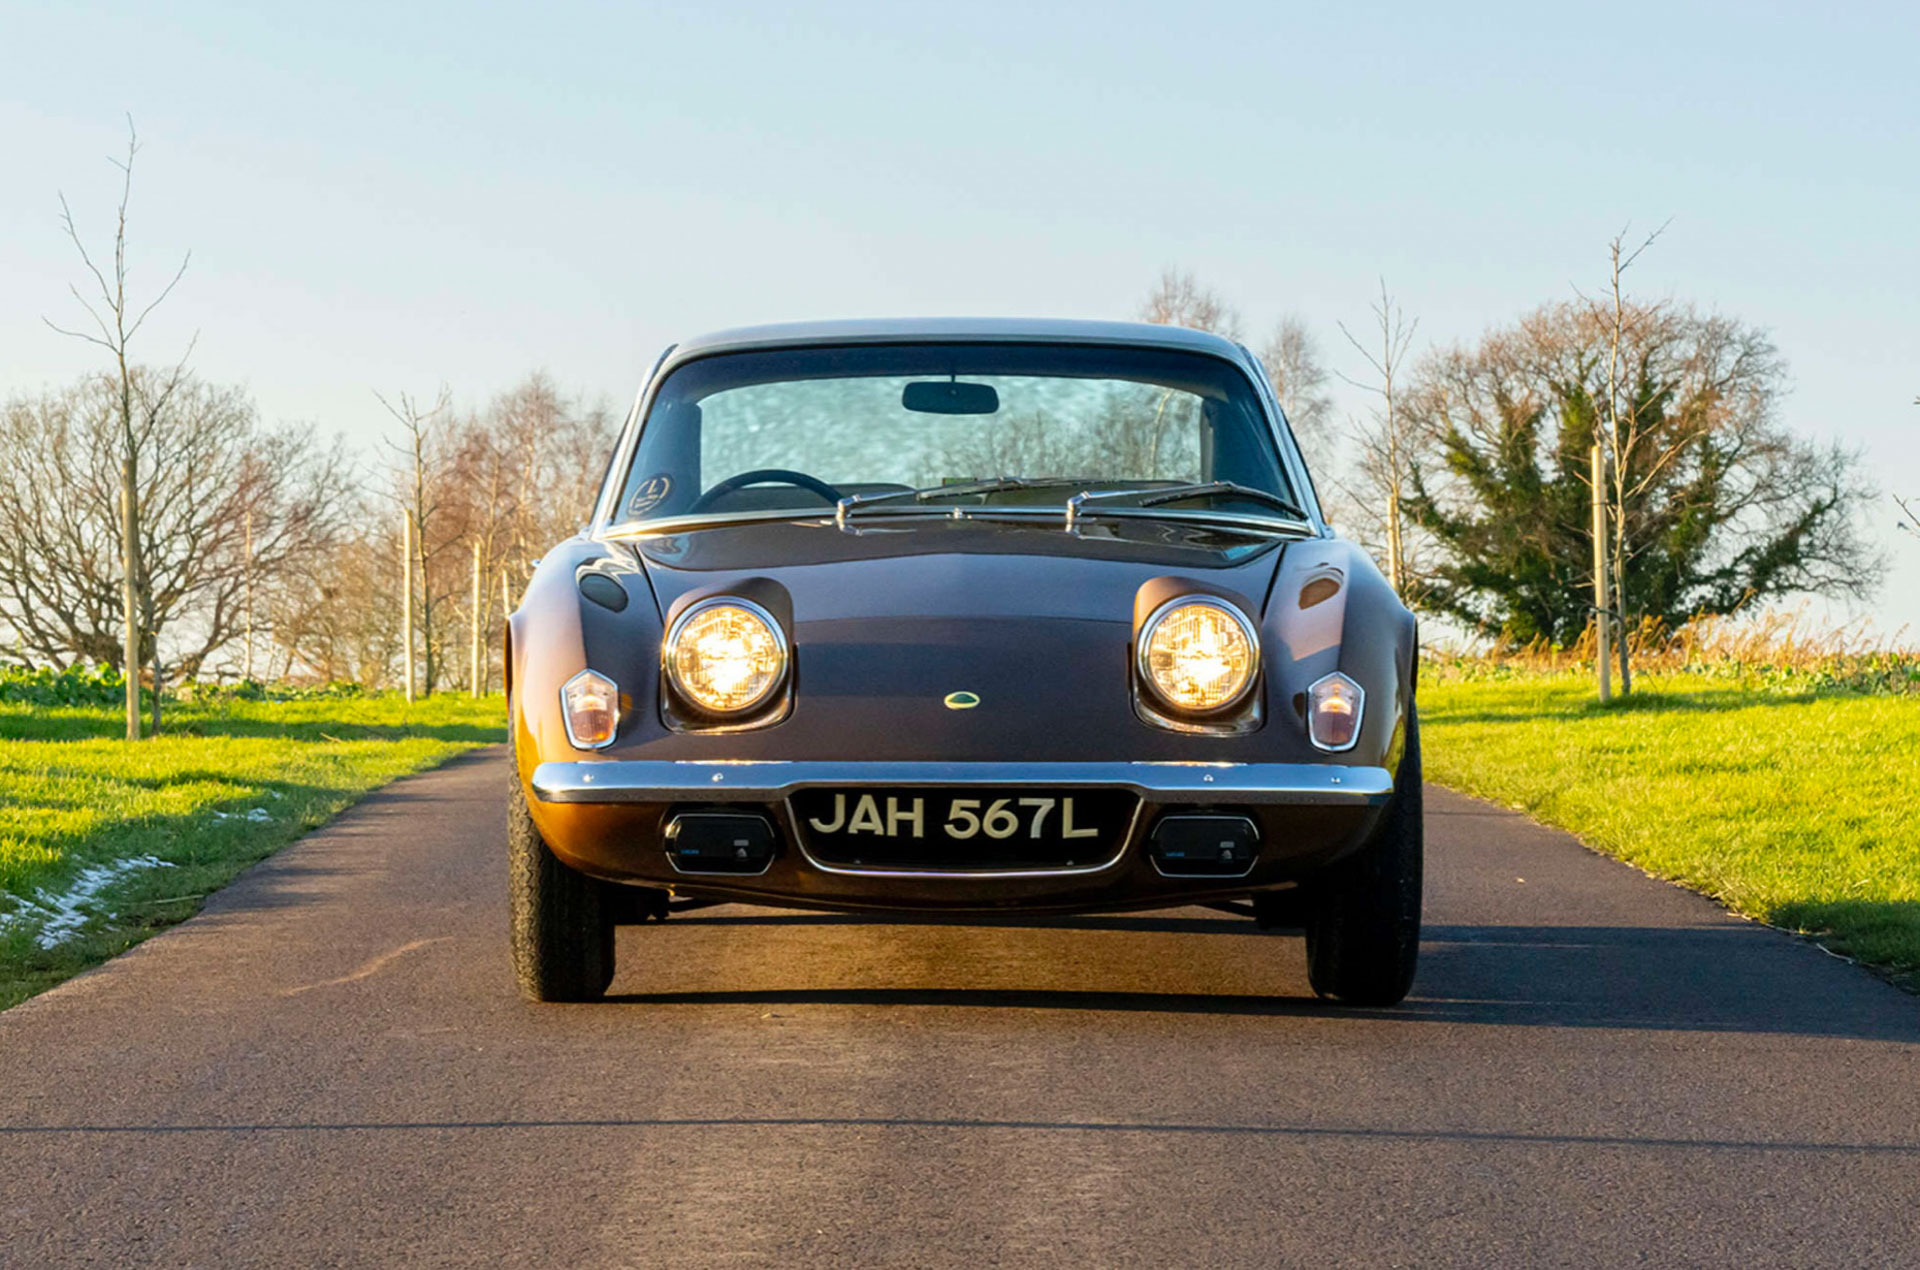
(116, 322)
(489, 491)
(233, 502)
(1386, 446)
(418, 491)
(554, 453)
(1292, 358)
(1179, 300)
(331, 617)
(1620, 447)
(223, 501)
(486, 475)
(523, 476)
(1912, 522)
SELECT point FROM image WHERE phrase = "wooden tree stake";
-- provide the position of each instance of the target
(406, 597)
(1602, 618)
(473, 638)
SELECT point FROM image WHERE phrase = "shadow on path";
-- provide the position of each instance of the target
(1719, 978)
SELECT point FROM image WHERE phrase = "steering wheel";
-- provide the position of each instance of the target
(764, 476)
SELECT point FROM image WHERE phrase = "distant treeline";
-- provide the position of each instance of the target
(274, 553)
(1470, 476)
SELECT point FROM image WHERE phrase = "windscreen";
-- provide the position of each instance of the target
(798, 429)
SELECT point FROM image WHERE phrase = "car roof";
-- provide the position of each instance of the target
(958, 330)
(984, 330)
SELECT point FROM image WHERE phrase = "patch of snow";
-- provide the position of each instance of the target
(63, 913)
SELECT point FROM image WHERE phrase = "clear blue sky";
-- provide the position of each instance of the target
(389, 196)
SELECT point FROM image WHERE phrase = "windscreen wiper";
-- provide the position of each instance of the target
(1157, 495)
(999, 485)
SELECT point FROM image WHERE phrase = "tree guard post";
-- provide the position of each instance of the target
(406, 597)
(129, 592)
(1602, 617)
(473, 634)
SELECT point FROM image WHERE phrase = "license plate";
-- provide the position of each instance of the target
(960, 829)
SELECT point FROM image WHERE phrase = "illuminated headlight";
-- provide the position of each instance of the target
(590, 704)
(726, 656)
(1199, 656)
(1334, 704)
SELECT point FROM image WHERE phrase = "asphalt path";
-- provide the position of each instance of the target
(330, 1066)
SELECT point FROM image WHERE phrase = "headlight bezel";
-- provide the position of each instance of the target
(1156, 698)
(770, 701)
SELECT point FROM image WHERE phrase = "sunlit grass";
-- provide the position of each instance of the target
(224, 786)
(1793, 807)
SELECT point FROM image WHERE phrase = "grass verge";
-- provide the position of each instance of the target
(1794, 807)
(103, 843)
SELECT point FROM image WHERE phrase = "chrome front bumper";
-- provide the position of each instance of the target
(679, 781)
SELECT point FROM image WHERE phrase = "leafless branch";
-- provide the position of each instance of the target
(1179, 300)
(164, 293)
(1912, 522)
(86, 258)
(1385, 450)
(78, 335)
(1645, 243)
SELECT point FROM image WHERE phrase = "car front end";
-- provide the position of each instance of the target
(1157, 681)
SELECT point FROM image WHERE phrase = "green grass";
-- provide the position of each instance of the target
(1797, 807)
(225, 785)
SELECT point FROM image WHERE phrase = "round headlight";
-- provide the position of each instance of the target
(1199, 655)
(726, 656)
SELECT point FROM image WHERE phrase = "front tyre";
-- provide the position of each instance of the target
(562, 929)
(1363, 927)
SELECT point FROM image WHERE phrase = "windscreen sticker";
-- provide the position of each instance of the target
(651, 493)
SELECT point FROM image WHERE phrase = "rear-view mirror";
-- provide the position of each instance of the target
(950, 397)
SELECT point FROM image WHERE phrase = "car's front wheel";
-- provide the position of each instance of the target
(1363, 922)
(562, 923)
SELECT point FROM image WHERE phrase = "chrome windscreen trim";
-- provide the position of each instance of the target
(675, 781)
(1041, 513)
